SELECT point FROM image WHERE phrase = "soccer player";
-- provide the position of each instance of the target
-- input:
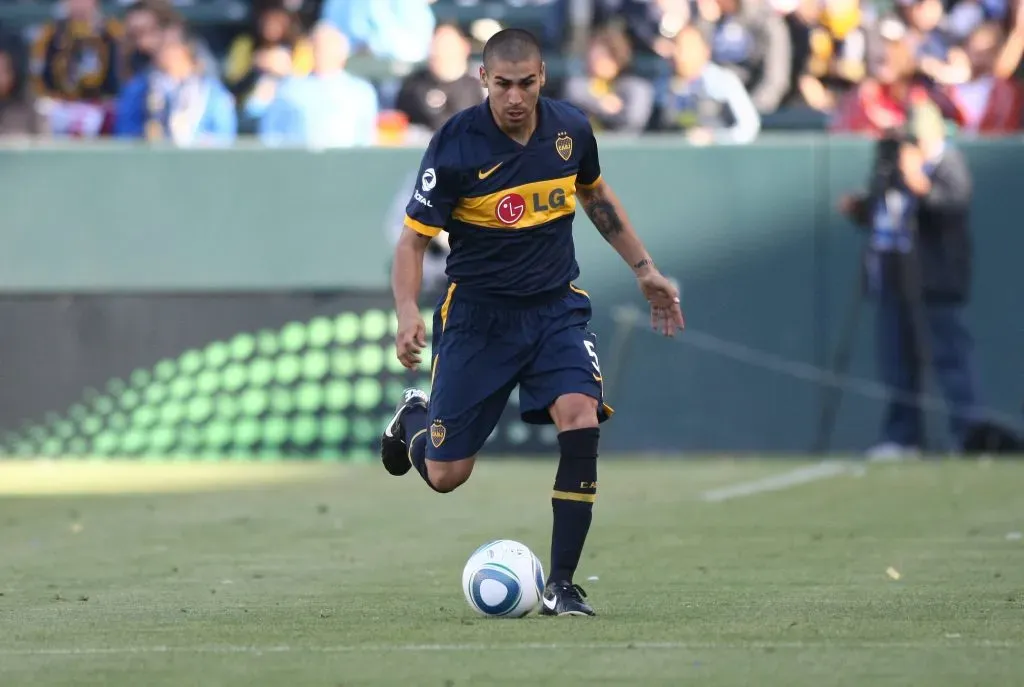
(503, 179)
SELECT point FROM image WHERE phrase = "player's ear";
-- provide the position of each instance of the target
(543, 74)
(483, 76)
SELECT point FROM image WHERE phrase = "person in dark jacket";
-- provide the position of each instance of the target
(918, 268)
(432, 94)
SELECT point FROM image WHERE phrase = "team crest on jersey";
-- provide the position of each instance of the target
(563, 146)
(437, 433)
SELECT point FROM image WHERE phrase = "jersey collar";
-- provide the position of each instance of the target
(484, 122)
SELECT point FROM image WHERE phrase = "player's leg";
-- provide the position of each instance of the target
(442, 476)
(440, 435)
(572, 500)
(564, 386)
(406, 439)
(445, 451)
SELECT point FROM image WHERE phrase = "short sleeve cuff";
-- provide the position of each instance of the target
(421, 228)
(586, 187)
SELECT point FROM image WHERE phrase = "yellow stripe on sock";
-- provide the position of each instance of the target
(573, 496)
(412, 443)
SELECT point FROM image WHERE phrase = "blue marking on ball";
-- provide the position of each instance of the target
(504, 577)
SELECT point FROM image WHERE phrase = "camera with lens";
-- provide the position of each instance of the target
(886, 173)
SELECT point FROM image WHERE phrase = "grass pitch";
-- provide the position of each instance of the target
(236, 574)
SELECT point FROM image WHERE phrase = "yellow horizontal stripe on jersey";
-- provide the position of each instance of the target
(421, 228)
(520, 207)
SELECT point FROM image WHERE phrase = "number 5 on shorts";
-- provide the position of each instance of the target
(593, 358)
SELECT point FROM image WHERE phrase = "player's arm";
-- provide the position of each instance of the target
(407, 272)
(425, 217)
(406, 282)
(605, 210)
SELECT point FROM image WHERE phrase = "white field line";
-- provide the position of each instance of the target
(456, 648)
(785, 480)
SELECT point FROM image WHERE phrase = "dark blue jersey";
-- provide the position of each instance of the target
(507, 208)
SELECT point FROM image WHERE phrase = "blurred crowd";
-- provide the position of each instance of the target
(336, 73)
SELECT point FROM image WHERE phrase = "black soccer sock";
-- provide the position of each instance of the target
(572, 502)
(414, 424)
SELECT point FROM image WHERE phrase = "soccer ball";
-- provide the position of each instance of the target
(503, 579)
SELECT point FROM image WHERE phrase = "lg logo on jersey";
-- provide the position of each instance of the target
(512, 206)
(510, 209)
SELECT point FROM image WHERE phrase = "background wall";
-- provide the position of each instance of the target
(767, 269)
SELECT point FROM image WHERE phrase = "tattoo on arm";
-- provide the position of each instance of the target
(602, 213)
(643, 263)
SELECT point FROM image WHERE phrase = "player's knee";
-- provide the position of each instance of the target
(447, 476)
(574, 411)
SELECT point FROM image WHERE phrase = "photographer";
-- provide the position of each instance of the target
(917, 268)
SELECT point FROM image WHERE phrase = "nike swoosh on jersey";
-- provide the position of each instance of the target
(483, 175)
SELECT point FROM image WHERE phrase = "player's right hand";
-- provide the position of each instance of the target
(411, 339)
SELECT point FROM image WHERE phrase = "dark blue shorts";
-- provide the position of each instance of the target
(481, 351)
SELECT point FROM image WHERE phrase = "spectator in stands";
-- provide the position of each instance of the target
(704, 99)
(177, 99)
(431, 95)
(987, 104)
(830, 51)
(328, 108)
(258, 60)
(553, 26)
(388, 29)
(651, 25)
(964, 16)
(935, 50)
(1013, 48)
(75, 65)
(18, 114)
(881, 101)
(750, 39)
(142, 26)
(613, 100)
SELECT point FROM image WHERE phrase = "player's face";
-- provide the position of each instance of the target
(513, 88)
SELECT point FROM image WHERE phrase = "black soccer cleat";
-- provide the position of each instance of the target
(564, 598)
(394, 453)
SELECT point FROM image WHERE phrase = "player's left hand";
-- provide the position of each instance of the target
(662, 294)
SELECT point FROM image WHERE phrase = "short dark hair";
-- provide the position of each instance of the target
(511, 45)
